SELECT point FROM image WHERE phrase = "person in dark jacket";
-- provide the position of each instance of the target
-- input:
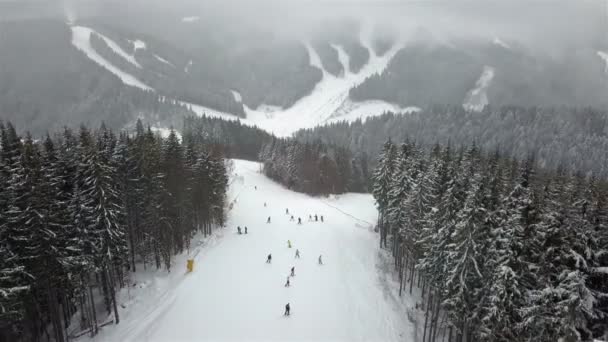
(245, 229)
(238, 229)
(269, 259)
(299, 220)
(287, 283)
(287, 309)
(268, 221)
(293, 270)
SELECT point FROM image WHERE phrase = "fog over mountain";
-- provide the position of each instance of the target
(248, 58)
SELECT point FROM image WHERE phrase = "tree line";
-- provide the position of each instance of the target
(574, 138)
(502, 250)
(313, 167)
(80, 211)
(234, 139)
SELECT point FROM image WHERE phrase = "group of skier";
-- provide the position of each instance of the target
(289, 245)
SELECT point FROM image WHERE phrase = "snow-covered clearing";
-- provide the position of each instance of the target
(501, 43)
(190, 19)
(237, 96)
(234, 295)
(477, 98)
(81, 40)
(138, 44)
(187, 67)
(604, 55)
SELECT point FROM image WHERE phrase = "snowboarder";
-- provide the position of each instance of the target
(286, 211)
(269, 259)
(299, 220)
(268, 221)
(321, 218)
(287, 283)
(316, 218)
(293, 269)
(320, 260)
(287, 308)
(298, 253)
(245, 229)
(291, 219)
(239, 229)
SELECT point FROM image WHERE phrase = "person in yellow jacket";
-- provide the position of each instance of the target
(288, 243)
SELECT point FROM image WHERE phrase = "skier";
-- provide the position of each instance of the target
(287, 283)
(268, 221)
(291, 219)
(293, 269)
(288, 243)
(316, 218)
(256, 187)
(286, 211)
(245, 229)
(309, 218)
(299, 220)
(298, 253)
(269, 259)
(239, 229)
(320, 260)
(321, 218)
(287, 308)
(264, 204)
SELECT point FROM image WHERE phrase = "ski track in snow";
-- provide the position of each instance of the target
(162, 60)
(81, 40)
(477, 98)
(118, 50)
(234, 295)
(604, 55)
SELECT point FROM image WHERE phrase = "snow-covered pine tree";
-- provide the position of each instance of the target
(382, 180)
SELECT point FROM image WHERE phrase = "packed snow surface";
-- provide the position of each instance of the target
(477, 98)
(604, 55)
(234, 295)
(81, 40)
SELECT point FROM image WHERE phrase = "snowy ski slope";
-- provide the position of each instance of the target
(328, 102)
(477, 98)
(233, 295)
